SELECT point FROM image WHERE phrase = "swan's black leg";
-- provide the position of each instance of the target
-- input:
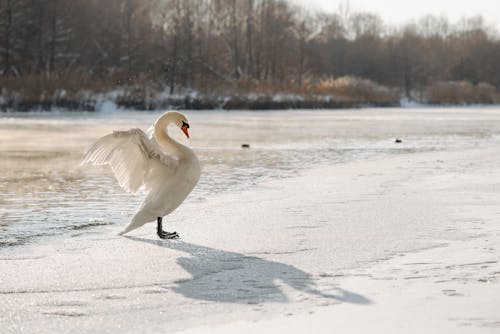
(158, 227)
(163, 234)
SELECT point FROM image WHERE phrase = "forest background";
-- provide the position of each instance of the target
(233, 54)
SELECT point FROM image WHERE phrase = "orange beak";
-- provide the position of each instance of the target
(185, 130)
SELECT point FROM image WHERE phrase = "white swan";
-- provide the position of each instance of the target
(167, 170)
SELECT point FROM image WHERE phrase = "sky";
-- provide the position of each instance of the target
(401, 11)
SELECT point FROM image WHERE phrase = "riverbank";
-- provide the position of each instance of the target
(194, 102)
(83, 94)
(338, 243)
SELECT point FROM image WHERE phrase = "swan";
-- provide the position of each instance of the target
(167, 170)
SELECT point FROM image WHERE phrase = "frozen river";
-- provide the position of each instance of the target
(44, 191)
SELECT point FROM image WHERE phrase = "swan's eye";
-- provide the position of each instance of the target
(184, 124)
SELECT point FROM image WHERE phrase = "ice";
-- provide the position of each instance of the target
(47, 193)
(323, 220)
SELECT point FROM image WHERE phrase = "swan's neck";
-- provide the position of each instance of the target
(162, 137)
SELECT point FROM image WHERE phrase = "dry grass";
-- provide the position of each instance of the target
(348, 89)
(461, 92)
(361, 90)
(77, 91)
(73, 90)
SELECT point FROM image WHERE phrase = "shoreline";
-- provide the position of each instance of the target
(219, 105)
(188, 103)
(292, 105)
(359, 223)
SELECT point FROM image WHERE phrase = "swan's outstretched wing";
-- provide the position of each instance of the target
(129, 153)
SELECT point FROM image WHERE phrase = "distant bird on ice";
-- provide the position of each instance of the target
(167, 170)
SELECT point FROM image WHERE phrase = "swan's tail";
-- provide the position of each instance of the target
(139, 219)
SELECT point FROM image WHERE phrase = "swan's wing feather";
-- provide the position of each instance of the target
(150, 132)
(129, 153)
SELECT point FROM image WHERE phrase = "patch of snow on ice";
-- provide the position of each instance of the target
(407, 103)
(280, 97)
(107, 106)
(107, 102)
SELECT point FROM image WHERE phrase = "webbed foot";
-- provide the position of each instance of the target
(168, 235)
(164, 234)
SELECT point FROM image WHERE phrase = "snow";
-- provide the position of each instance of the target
(107, 102)
(405, 244)
(281, 97)
(411, 104)
(406, 103)
(107, 106)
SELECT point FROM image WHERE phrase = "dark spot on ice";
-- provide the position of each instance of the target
(66, 313)
(245, 145)
(154, 291)
(110, 297)
(88, 225)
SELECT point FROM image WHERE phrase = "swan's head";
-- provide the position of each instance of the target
(178, 119)
(184, 125)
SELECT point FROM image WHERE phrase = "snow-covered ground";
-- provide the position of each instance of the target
(393, 242)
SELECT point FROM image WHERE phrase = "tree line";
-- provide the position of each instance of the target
(235, 46)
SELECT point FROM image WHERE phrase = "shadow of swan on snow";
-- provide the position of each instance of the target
(223, 276)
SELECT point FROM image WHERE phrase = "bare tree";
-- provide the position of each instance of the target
(249, 66)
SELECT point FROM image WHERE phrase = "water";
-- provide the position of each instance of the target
(45, 192)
